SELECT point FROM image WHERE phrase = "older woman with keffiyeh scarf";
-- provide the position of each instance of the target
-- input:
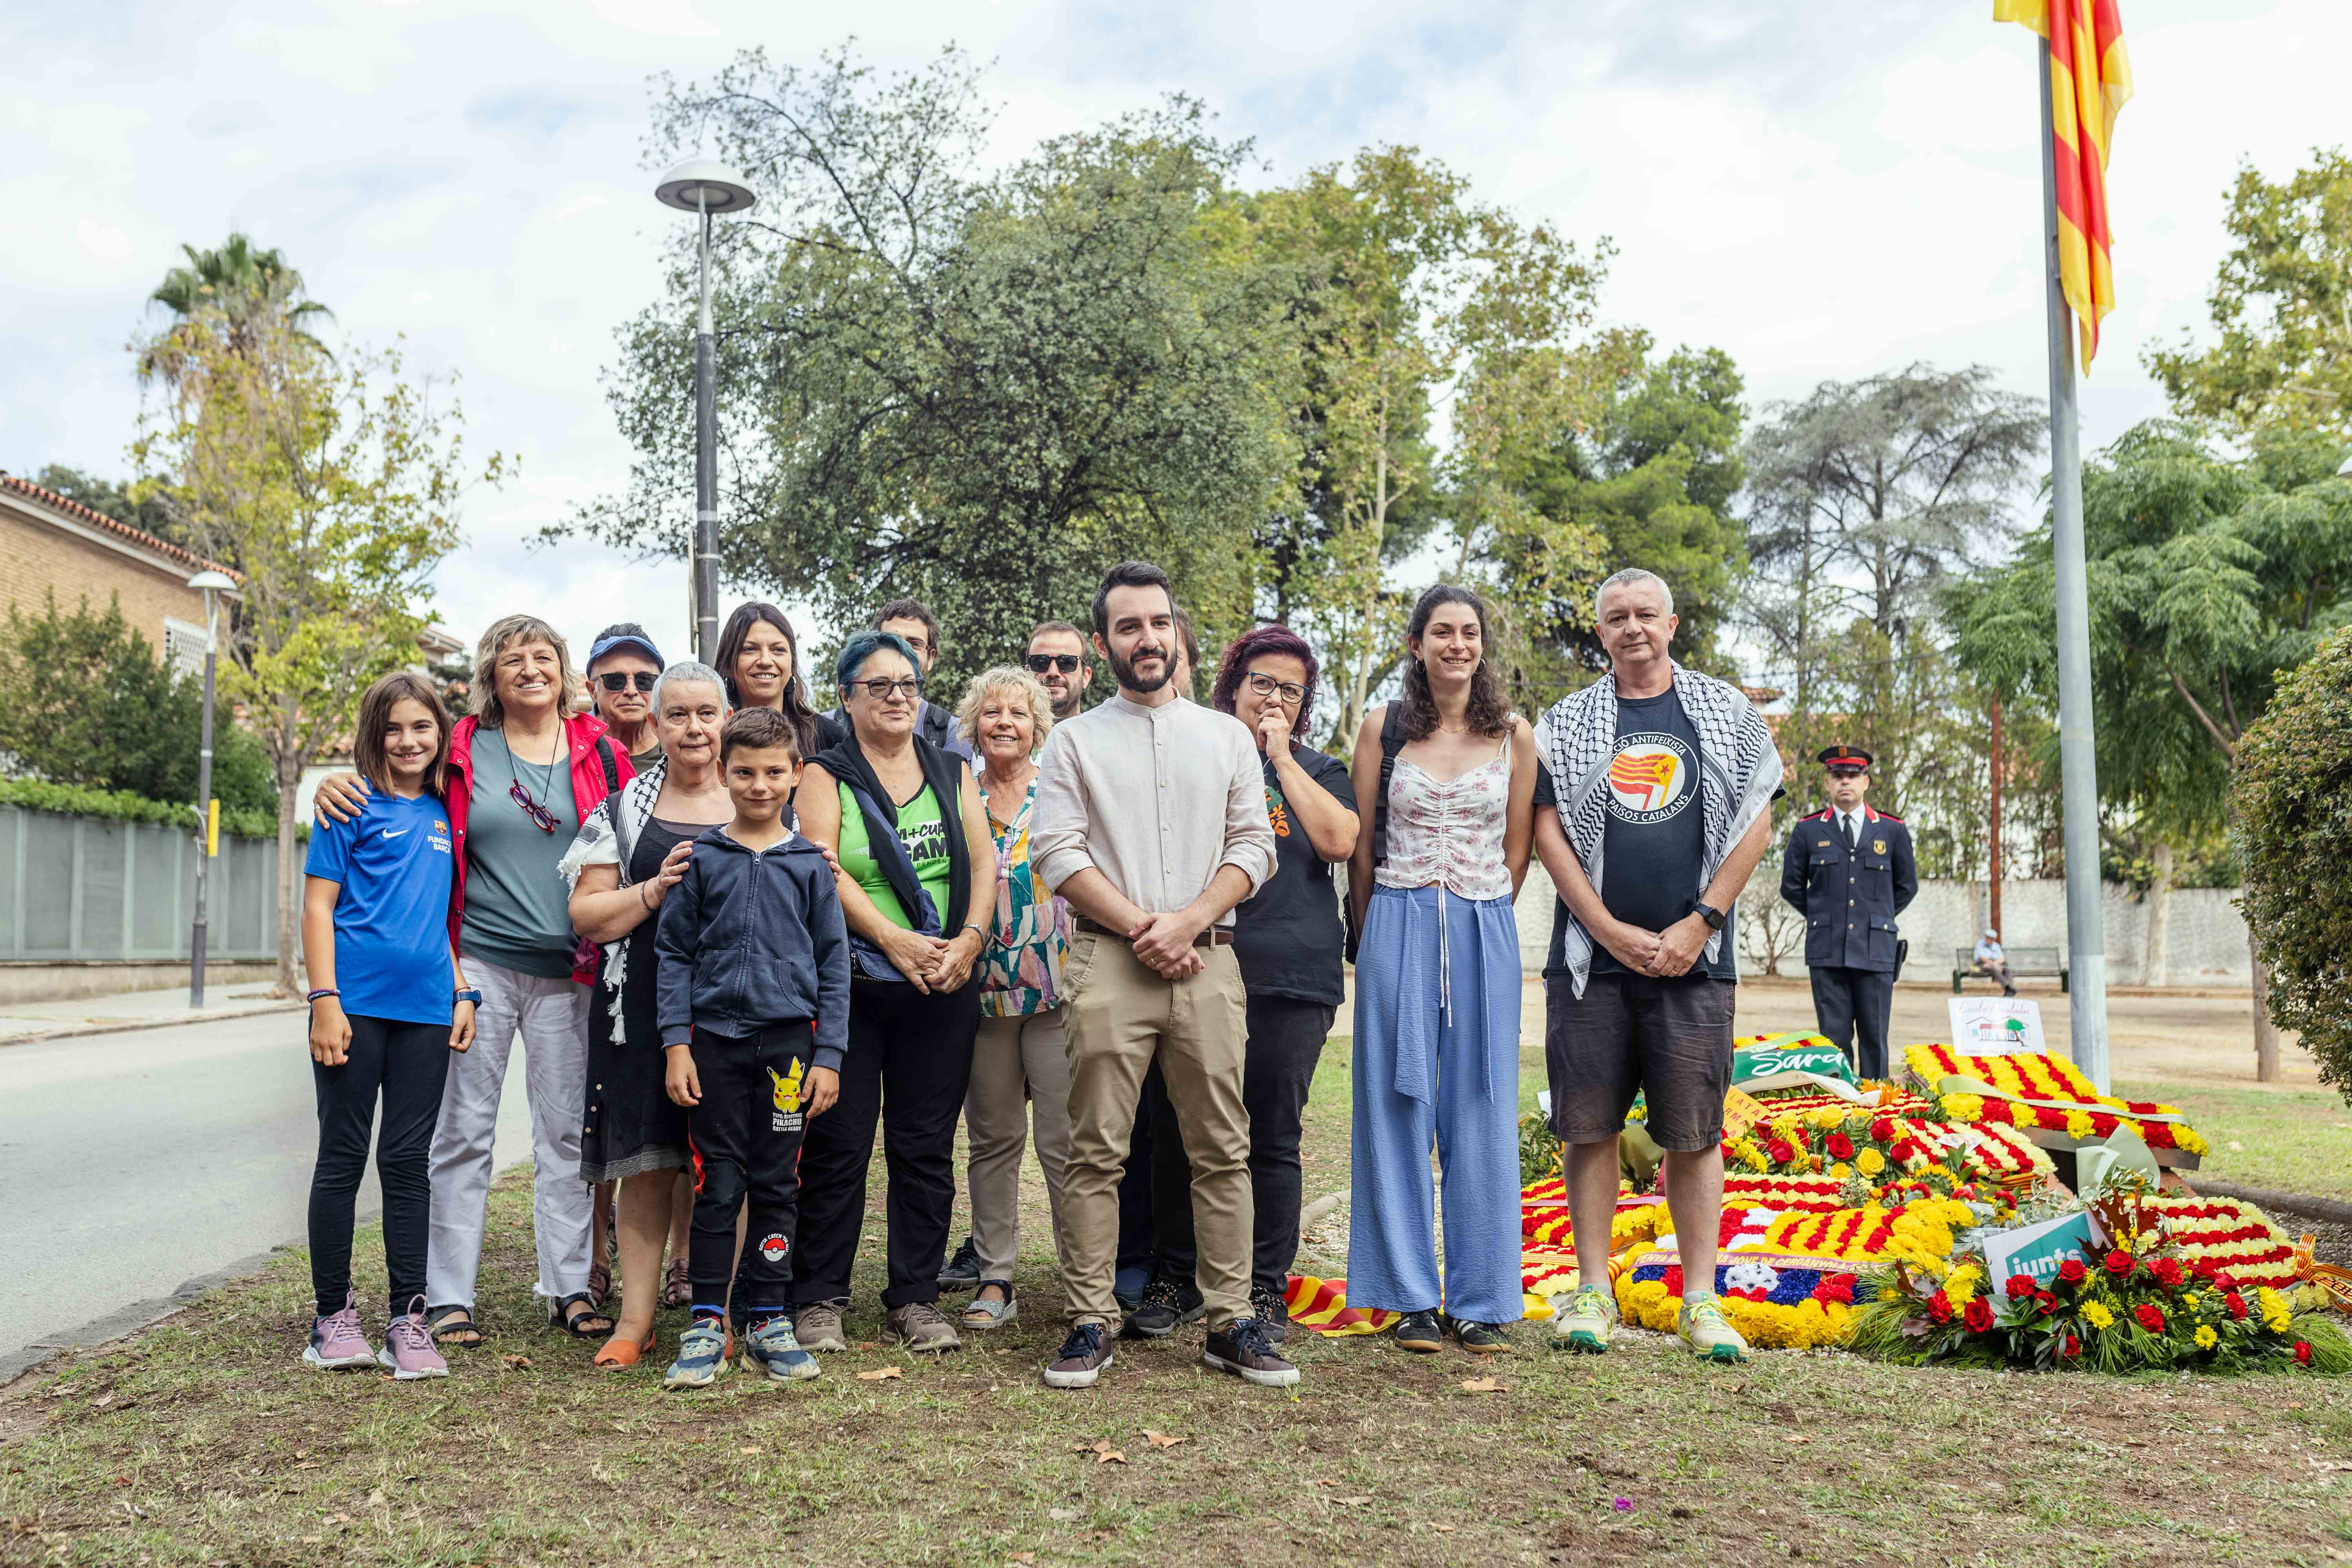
(1654, 808)
(630, 852)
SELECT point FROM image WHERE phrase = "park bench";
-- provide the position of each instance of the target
(2023, 961)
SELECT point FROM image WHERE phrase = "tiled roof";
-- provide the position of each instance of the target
(145, 540)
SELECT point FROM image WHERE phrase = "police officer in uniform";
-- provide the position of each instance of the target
(1848, 870)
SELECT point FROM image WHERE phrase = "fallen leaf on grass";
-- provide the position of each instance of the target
(310, 1465)
(1021, 1557)
(1327, 1483)
(867, 1345)
(747, 1448)
(1351, 1501)
(1163, 1439)
(1062, 1515)
(879, 1373)
(1484, 1385)
(336, 1519)
(520, 1363)
(1103, 1451)
(1794, 1437)
(1441, 1524)
(313, 1539)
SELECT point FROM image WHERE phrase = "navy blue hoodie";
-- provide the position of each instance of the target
(751, 939)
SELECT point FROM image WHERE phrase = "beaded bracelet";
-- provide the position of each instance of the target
(328, 991)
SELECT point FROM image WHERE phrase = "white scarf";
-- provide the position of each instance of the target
(1740, 778)
(599, 843)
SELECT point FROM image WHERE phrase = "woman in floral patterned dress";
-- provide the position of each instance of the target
(1020, 1065)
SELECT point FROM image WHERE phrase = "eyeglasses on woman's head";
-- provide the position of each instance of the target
(1290, 692)
(622, 680)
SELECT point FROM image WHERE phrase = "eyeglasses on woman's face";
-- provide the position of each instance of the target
(622, 680)
(1040, 663)
(882, 689)
(1290, 692)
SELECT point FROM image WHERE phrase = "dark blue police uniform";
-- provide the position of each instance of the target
(1849, 896)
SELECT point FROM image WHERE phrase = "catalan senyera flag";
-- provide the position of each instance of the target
(2090, 79)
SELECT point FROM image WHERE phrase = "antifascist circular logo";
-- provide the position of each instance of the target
(1649, 777)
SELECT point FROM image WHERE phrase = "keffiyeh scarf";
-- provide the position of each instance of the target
(599, 843)
(1740, 777)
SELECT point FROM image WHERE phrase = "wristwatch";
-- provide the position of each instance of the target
(1711, 915)
(466, 995)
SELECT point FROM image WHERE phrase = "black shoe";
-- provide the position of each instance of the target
(1418, 1331)
(1166, 1306)
(1272, 1313)
(1241, 1348)
(962, 1271)
(1478, 1339)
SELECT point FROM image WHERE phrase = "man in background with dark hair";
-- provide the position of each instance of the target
(1058, 657)
(912, 620)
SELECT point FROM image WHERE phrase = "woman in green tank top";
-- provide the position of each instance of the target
(889, 804)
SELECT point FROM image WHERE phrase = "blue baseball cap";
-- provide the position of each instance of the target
(626, 640)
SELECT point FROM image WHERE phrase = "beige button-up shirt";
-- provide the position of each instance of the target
(1154, 798)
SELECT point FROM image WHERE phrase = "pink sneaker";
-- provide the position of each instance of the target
(408, 1346)
(337, 1343)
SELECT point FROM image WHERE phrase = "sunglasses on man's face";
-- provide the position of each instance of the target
(621, 679)
(1067, 663)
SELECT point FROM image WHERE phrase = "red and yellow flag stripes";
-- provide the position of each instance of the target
(2090, 79)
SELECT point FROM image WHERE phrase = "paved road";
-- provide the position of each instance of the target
(131, 1163)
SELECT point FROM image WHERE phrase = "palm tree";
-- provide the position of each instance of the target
(237, 286)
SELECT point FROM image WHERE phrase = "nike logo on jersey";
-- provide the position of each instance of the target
(393, 832)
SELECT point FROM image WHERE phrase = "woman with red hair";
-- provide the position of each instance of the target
(1288, 941)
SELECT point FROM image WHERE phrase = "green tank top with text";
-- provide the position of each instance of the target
(924, 834)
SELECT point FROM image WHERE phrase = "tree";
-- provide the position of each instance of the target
(2208, 577)
(978, 389)
(1870, 494)
(94, 705)
(148, 514)
(2292, 796)
(1655, 479)
(335, 488)
(2283, 304)
(237, 289)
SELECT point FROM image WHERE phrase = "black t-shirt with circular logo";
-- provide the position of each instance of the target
(1654, 832)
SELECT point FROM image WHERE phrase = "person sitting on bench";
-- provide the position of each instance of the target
(1992, 963)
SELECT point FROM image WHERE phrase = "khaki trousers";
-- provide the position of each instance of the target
(1121, 1015)
(1020, 1067)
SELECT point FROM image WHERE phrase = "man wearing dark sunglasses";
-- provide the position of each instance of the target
(622, 665)
(1058, 657)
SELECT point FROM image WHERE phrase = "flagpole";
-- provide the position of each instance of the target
(2086, 938)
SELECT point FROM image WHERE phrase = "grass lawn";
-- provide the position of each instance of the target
(2294, 1140)
(205, 1440)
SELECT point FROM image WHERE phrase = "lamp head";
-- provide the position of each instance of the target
(704, 185)
(212, 581)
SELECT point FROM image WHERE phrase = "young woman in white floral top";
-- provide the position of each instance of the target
(1020, 1066)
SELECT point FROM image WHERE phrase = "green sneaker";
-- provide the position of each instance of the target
(1583, 1322)
(1709, 1334)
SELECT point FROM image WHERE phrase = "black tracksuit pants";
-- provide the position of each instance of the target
(908, 1065)
(746, 1138)
(1286, 1042)
(406, 1063)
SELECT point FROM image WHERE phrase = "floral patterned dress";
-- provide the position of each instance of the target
(1021, 969)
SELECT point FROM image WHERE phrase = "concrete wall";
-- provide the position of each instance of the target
(59, 982)
(2205, 935)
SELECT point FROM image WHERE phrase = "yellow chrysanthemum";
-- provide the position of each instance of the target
(2078, 1124)
(2206, 1338)
(2098, 1316)
(1964, 1106)
(1961, 1287)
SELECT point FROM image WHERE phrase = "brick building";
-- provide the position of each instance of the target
(48, 543)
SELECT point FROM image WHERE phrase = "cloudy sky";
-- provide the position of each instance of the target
(1825, 190)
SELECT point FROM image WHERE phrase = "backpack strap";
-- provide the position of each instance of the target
(613, 793)
(1392, 742)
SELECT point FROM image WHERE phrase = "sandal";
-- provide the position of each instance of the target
(619, 1353)
(589, 1323)
(987, 1313)
(454, 1326)
(679, 1291)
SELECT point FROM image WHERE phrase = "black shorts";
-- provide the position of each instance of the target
(1667, 1039)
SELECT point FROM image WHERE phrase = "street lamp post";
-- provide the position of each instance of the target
(212, 584)
(704, 188)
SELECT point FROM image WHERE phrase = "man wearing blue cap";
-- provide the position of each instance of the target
(1848, 870)
(622, 665)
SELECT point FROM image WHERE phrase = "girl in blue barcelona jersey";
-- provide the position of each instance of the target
(387, 1007)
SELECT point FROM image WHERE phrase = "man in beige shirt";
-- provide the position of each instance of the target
(1150, 821)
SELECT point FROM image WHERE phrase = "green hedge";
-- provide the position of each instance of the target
(2292, 793)
(121, 805)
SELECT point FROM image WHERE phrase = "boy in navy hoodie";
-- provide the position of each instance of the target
(754, 1011)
